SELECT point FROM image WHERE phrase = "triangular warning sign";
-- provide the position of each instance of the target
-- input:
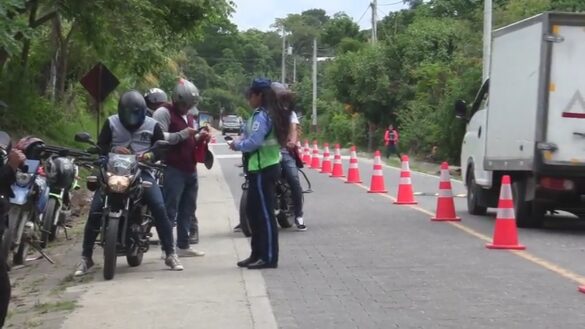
(576, 99)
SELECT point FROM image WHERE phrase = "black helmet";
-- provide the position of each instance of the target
(132, 110)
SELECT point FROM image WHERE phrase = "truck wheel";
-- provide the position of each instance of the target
(473, 193)
(525, 217)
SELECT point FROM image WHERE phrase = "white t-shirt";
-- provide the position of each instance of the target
(294, 118)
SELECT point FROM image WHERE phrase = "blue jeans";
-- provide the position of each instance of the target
(180, 189)
(291, 172)
(153, 199)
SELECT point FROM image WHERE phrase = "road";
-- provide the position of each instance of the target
(363, 263)
(366, 263)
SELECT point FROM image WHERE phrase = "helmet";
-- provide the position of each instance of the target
(187, 95)
(132, 110)
(155, 96)
(32, 147)
(60, 172)
(279, 88)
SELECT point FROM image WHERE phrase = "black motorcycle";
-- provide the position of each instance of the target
(284, 206)
(126, 222)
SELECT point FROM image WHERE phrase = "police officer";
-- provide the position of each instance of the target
(266, 132)
(124, 133)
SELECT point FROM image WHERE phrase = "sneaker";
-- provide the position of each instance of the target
(85, 264)
(174, 263)
(238, 228)
(300, 224)
(189, 252)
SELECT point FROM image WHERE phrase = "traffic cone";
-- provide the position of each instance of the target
(505, 231)
(315, 160)
(326, 167)
(337, 164)
(307, 154)
(377, 182)
(445, 203)
(353, 174)
(405, 192)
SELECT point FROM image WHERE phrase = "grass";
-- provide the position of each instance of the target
(66, 305)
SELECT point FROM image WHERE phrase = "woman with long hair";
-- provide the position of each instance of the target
(286, 98)
(266, 132)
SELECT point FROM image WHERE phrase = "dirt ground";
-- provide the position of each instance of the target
(39, 296)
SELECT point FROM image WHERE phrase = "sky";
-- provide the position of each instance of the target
(260, 14)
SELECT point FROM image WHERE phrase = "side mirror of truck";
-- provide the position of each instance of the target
(461, 110)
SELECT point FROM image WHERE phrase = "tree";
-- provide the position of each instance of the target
(338, 28)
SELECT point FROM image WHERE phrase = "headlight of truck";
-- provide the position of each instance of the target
(118, 184)
(23, 179)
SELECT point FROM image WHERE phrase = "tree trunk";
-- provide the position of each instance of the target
(371, 131)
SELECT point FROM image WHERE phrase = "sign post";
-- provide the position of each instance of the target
(99, 82)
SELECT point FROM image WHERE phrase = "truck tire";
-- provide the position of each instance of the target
(473, 196)
(525, 218)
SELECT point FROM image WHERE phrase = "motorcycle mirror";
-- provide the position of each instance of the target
(83, 137)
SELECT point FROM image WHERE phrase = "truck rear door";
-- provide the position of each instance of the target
(566, 105)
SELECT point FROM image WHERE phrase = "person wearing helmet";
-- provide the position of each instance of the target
(177, 121)
(130, 132)
(155, 98)
(289, 163)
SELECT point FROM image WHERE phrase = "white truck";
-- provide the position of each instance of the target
(528, 120)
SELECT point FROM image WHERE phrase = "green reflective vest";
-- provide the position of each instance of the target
(268, 154)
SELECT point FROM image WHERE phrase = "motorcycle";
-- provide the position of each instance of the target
(126, 222)
(27, 206)
(284, 206)
(62, 175)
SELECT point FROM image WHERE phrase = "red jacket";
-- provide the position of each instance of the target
(391, 137)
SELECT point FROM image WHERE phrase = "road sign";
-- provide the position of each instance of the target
(99, 82)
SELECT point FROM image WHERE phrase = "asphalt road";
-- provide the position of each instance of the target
(367, 263)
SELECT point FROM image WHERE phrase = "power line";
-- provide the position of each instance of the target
(364, 14)
(392, 4)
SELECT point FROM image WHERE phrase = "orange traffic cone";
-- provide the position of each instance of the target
(445, 203)
(405, 192)
(315, 160)
(307, 154)
(326, 166)
(353, 174)
(377, 182)
(505, 231)
(337, 164)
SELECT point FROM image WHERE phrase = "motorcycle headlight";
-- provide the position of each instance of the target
(23, 179)
(118, 184)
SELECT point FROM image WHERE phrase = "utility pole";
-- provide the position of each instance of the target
(374, 5)
(314, 123)
(487, 38)
(294, 69)
(283, 73)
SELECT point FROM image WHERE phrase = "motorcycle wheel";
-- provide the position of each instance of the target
(47, 234)
(135, 260)
(244, 223)
(283, 218)
(21, 253)
(110, 255)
